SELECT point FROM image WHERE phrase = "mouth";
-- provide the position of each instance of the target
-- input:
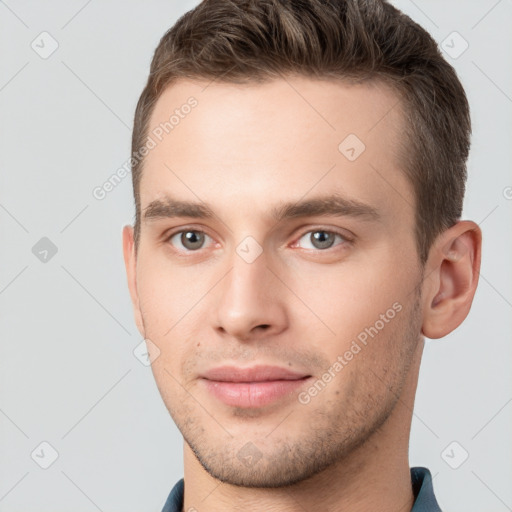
(252, 387)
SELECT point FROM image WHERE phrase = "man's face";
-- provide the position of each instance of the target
(273, 276)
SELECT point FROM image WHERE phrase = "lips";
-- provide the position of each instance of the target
(254, 374)
(252, 387)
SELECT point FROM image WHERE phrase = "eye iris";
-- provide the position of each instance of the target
(322, 239)
(192, 240)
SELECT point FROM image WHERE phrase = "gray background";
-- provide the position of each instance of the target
(67, 368)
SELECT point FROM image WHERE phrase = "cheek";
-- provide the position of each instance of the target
(168, 293)
(354, 299)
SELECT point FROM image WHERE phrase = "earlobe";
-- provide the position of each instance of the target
(452, 269)
(130, 262)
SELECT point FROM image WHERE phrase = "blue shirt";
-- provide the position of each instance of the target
(421, 479)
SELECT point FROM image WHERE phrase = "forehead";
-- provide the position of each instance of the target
(276, 140)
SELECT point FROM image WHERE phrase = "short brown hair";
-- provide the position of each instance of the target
(252, 41)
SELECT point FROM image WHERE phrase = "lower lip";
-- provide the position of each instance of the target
(252, 394)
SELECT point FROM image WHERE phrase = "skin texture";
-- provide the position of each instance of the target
(244, 150)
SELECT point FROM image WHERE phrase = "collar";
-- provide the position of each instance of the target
(421, 480)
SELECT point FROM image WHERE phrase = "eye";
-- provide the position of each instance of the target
(188, 240)
(319, 239)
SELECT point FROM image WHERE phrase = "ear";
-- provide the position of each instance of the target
(451, 275)
(130, 262)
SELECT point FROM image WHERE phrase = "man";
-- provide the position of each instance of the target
(299, 173)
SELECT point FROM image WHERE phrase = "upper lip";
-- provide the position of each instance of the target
(259, 373)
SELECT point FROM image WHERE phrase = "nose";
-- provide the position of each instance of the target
(250, 301)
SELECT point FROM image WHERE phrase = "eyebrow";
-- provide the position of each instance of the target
(334, 205)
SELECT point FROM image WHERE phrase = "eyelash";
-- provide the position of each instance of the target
(345, 239)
